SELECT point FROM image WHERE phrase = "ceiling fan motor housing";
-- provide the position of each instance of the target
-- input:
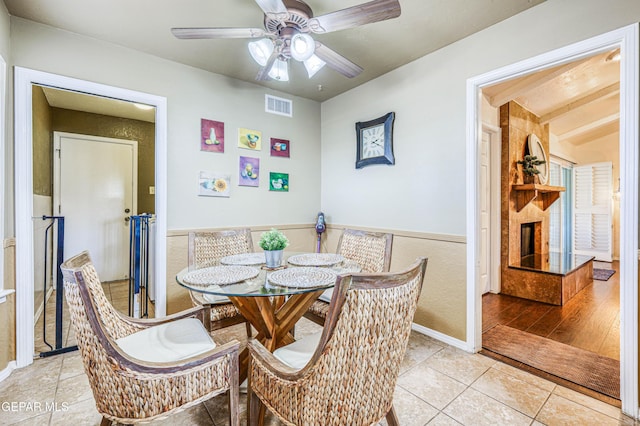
(297, 17)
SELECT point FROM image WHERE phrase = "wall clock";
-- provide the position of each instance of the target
(375, 141)
(536, 149)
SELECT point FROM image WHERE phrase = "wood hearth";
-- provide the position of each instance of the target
(528, 269)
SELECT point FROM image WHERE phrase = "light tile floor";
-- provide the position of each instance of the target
(438, 385)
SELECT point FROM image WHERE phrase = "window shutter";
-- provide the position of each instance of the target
(592, 210)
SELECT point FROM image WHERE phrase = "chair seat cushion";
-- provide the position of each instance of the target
(326, 295)
(213, 298)
(297, 354)
(168, 342)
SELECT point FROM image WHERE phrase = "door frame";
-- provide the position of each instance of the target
(57, 168)
(495, 149)
(626, 39)
(24, 79)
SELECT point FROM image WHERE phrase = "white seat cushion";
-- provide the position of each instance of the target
(214, 299)
(169, 342)
(326, 295)
(298, 353)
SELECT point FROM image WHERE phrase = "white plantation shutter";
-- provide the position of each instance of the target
(593, 210)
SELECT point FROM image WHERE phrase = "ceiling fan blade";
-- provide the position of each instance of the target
(263, 74)
(195, 33)
(272, 6)
(366, 13)
(337, 61)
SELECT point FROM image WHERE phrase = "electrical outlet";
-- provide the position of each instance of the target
(152, 190)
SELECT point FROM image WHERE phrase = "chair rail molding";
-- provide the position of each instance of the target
(626, 39)
(24, 78)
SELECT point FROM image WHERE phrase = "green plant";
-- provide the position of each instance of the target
(529, 164)
(273, 240)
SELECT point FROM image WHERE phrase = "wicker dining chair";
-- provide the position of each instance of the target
(145, 369)
(346, 375)
(206, 249)
(371, 250)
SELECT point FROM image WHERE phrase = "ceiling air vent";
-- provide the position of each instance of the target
(279, 106)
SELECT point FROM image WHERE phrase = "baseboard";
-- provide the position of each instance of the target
(7, 371)
(451, 341)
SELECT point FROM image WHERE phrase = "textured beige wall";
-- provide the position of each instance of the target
(439, 306)
(8, 308)
(64, 120)
(42, 144)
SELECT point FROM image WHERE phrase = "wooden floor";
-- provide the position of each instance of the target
(590, 321)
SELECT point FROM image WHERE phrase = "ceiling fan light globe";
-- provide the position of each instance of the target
(261, 50)
(279, 70)
(313, 65)
(302, 47)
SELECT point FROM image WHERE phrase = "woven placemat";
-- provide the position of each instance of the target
(576, 365)
(220, 275)
(303, 277)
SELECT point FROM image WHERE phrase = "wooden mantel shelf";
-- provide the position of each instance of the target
(541, 195)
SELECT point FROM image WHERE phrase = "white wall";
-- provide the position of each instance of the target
(193, 94)
(425, 190)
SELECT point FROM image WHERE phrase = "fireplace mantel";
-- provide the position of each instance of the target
(542, 195)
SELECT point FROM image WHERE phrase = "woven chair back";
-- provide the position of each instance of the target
(108, 386)
(127, 390)
(371, 250)
(353, 373)
(207, 248)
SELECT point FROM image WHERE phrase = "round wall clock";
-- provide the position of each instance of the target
(374, 143)
(537, 149)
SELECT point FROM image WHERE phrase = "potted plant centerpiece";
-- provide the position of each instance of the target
(529, 168)
(273, 243)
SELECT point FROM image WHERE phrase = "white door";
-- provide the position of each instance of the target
(95, 189)
(592, 210)
(485, 213)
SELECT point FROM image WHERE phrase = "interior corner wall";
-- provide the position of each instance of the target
(426, 189)
(193, 94)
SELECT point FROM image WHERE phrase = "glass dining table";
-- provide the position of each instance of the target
(271, 300)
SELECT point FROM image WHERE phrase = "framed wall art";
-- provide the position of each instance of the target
(249, 171)
(211, 135)
(211, 184)
(279, 182)
(280, 147)
(250, 139)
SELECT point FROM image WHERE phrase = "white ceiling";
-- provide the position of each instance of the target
(579, 100)
(58, 98)
(423, 27)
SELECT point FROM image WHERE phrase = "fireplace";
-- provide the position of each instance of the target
(530, 239)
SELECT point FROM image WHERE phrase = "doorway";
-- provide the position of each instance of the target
(627, 40)
(25, 79)
(95, 189)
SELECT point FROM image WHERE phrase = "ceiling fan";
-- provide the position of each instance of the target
(287, 26)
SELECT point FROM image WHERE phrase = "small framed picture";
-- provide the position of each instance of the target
(249, 171)
(279, 182)
(280, 147)
(211, 135)
(211, 184)
(250, 139)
